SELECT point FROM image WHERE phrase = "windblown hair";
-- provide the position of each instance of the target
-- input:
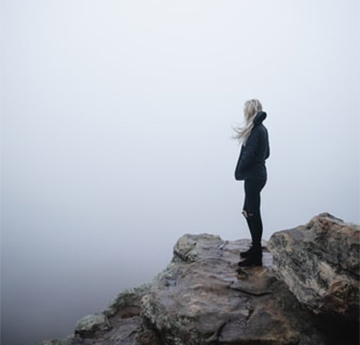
(251, 108)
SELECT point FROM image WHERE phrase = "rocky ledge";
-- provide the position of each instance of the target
(307, 292)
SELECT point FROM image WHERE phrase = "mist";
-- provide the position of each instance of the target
(116, 138)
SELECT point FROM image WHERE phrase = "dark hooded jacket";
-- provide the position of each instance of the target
(251, 163)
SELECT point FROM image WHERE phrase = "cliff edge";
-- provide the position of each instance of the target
(307, 292)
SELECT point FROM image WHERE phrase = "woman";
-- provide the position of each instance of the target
(252, 170)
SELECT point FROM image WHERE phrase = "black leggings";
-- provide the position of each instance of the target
(251, 208)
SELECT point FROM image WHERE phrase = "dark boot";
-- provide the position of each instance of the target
(254, 258)
(247, 253)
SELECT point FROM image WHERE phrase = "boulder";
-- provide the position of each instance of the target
(319, 262)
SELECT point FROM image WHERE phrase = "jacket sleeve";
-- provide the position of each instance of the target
(248, 156)
(267, 152)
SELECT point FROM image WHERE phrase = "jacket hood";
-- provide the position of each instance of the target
(259, 118)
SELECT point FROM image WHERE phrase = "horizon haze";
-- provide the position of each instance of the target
(116, 138)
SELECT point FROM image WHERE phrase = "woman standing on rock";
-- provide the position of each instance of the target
(252, 170)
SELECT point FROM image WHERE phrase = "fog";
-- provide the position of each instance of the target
(116, 140)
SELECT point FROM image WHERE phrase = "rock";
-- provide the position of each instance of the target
(127, 304)
(119, 324)
(90, 325)
(201, 299)
(319, 262)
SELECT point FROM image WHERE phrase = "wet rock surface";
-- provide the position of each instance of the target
(203, 298)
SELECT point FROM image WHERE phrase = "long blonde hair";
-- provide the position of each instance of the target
(251, 108)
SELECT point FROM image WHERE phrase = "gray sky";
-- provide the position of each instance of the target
(116, 121)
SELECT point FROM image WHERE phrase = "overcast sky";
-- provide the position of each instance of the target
(116, 121)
